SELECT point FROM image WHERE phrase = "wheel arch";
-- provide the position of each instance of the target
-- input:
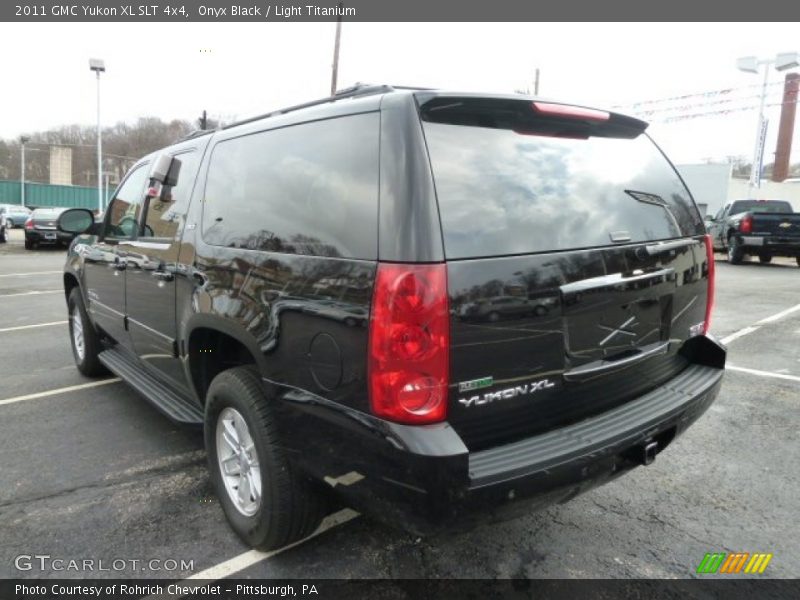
(213, 345)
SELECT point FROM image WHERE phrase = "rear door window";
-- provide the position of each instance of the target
(511, 182)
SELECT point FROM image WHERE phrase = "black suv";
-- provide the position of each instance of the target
(296, 284)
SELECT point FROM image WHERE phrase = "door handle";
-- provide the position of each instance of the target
(163, 275)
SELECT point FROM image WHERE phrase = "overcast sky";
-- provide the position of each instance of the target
(233, 69)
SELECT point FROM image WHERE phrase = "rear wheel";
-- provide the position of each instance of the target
(3, 235)
(735, 253)
(10, 223)
(83, 336)
(267, 504)
(28, 244)
(798, 261)
(765, 258)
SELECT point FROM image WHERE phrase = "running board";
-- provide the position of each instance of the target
(162, 397)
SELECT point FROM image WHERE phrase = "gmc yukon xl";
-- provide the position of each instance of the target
(314, 288)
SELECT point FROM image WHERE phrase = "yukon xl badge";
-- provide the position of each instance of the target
(505, 394)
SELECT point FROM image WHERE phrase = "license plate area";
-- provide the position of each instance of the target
(49, 236)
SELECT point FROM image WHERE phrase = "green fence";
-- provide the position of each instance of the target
(45, 194)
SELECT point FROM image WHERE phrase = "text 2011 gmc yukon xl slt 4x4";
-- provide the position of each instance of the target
(296, 283)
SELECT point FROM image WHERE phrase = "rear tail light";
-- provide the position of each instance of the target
(711, 283)
(575, 112)
(746, 224)
(29, 224)
(409, 342)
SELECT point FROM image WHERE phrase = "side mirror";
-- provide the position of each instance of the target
(75, 220)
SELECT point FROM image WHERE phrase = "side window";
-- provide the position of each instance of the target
(164, 214)
(719, 214)
(123, 218)
(305, 189)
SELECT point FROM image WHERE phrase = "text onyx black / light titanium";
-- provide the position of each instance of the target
(506, 394)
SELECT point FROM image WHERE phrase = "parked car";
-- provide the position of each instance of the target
(196, 290)
(762, 228)
(3, 226)
(40, 228)
(16, 215)
(494, 308)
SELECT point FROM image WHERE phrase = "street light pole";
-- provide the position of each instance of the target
(752, 64)
(22, 140)
(98, 67)
(335, 66)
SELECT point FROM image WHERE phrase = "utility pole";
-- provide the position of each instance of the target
(536, 83)
(335, 68)
(783, 150)
(204, 121)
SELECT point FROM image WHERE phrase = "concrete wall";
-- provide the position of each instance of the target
(708, 184)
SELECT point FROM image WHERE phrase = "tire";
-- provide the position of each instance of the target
(289, 507)
(85, 341)
(765, 258)
(493, 317)
(735, 253)
(10, 223)
(3, 235)
(798, 261)
(28, 244)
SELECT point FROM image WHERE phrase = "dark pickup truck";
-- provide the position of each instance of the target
(763, 228)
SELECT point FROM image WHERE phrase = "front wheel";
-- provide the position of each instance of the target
(735, 253)
(798, 261)
(266, 502)
(765, 258)
(85, 342)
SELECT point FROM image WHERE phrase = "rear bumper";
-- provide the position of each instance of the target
(45, 236)
(424, 478)
(774, 245)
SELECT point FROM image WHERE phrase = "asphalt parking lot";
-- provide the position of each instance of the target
(97, 473)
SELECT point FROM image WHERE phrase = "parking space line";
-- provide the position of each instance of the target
(21, 327)
(63, 390)
(30, 274)
(32, 293)
(763, 373)
(779, 315)
(251, 557)
(738, 334)
(751, 328)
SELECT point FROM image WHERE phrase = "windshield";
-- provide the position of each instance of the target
(505, 192)
(761, 206)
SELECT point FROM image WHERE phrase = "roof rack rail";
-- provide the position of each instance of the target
(359, 89)
(196, 134)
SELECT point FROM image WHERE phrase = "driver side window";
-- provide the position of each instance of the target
(122, 221)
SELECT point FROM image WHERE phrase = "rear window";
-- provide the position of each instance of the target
(760, 206)
(47, 213)
(509, 181)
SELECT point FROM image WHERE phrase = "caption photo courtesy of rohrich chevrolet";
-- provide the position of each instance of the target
(397, 300)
